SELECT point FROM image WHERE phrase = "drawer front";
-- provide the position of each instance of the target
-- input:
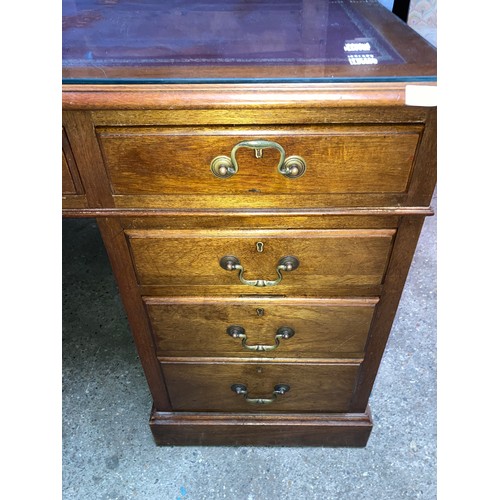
(202, 259)
(210, 386)
(73, 194)
(68, 184)
(266, 327)
(360, 160)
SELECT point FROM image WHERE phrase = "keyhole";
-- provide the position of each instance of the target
(260, 312)
(260, 246)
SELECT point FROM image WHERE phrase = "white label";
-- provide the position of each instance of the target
(357, 47)
(421, 95)
(355, 60)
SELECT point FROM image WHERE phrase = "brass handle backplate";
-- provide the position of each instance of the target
(279, 390)
(225, 166)
(231, 263)
(238, 332)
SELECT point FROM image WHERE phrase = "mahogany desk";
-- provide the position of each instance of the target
(260, 172)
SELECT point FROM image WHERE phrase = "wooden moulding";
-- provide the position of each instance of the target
(193, 213)
(203, 429)
(207, 96)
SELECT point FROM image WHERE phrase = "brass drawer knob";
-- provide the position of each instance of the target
(231, 263)
(238, 332)
(279, 390)
(225, 166)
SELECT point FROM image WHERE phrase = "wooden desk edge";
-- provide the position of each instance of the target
(207, 96)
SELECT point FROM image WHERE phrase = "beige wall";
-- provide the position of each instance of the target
(422, 17)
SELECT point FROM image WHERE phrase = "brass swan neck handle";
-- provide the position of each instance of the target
(288, 263)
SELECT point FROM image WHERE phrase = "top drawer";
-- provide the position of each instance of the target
(221, 167)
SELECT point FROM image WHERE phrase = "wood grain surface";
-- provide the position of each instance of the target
(192, 258)
(207, 386)
(323, 328)
(342, 159)
(250, 429)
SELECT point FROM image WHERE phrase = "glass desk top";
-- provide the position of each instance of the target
(241, 41)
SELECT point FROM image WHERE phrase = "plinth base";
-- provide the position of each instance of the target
(218, 429)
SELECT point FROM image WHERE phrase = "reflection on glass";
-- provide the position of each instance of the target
(179, 39)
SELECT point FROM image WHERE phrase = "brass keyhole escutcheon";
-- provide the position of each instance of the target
(260, 246)
(260, 312)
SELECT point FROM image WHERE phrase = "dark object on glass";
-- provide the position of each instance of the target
(401, 9)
